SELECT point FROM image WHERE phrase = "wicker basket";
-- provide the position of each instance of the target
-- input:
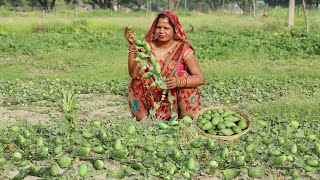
(223, 138)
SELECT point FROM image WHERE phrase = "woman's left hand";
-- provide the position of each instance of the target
(171, 82)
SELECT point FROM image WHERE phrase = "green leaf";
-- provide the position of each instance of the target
(174, 116)
(169, 131)
(152, 112)
(156, 105)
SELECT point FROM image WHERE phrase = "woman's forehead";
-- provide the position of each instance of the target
(163, 21)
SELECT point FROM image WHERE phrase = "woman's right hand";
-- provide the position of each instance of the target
(129, 35)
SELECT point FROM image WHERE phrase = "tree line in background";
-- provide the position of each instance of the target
(153, 5)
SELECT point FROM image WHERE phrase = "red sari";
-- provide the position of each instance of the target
(185, 101)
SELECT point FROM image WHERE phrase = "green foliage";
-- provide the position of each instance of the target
(290, 44)
(147, 151)
(68, 101)
(16, 93)
(16, 43)
(68, 105)
(218, 91)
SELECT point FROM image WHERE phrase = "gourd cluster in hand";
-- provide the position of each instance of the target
(148, 62)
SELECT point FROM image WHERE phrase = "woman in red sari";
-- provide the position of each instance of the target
(179, 67)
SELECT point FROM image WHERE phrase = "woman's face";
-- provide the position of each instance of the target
(164, 31)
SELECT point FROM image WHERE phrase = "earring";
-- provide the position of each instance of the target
(175, 37)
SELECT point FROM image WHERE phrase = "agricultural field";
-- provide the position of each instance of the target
(64, 113)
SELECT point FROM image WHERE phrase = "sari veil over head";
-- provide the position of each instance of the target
(177, 26)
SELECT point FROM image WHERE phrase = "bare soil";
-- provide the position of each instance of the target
(90, 106)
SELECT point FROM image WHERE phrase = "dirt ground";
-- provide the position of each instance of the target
(90, 106)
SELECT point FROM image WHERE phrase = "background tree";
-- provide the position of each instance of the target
(2, 2)
(132, 3)
(244, 5)
(174, 4)
(47, 4)
(214, 4)
(103, 4)
(155, 5)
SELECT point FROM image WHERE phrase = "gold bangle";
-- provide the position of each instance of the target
(132, 50)
(131, 46)
(182, 82)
